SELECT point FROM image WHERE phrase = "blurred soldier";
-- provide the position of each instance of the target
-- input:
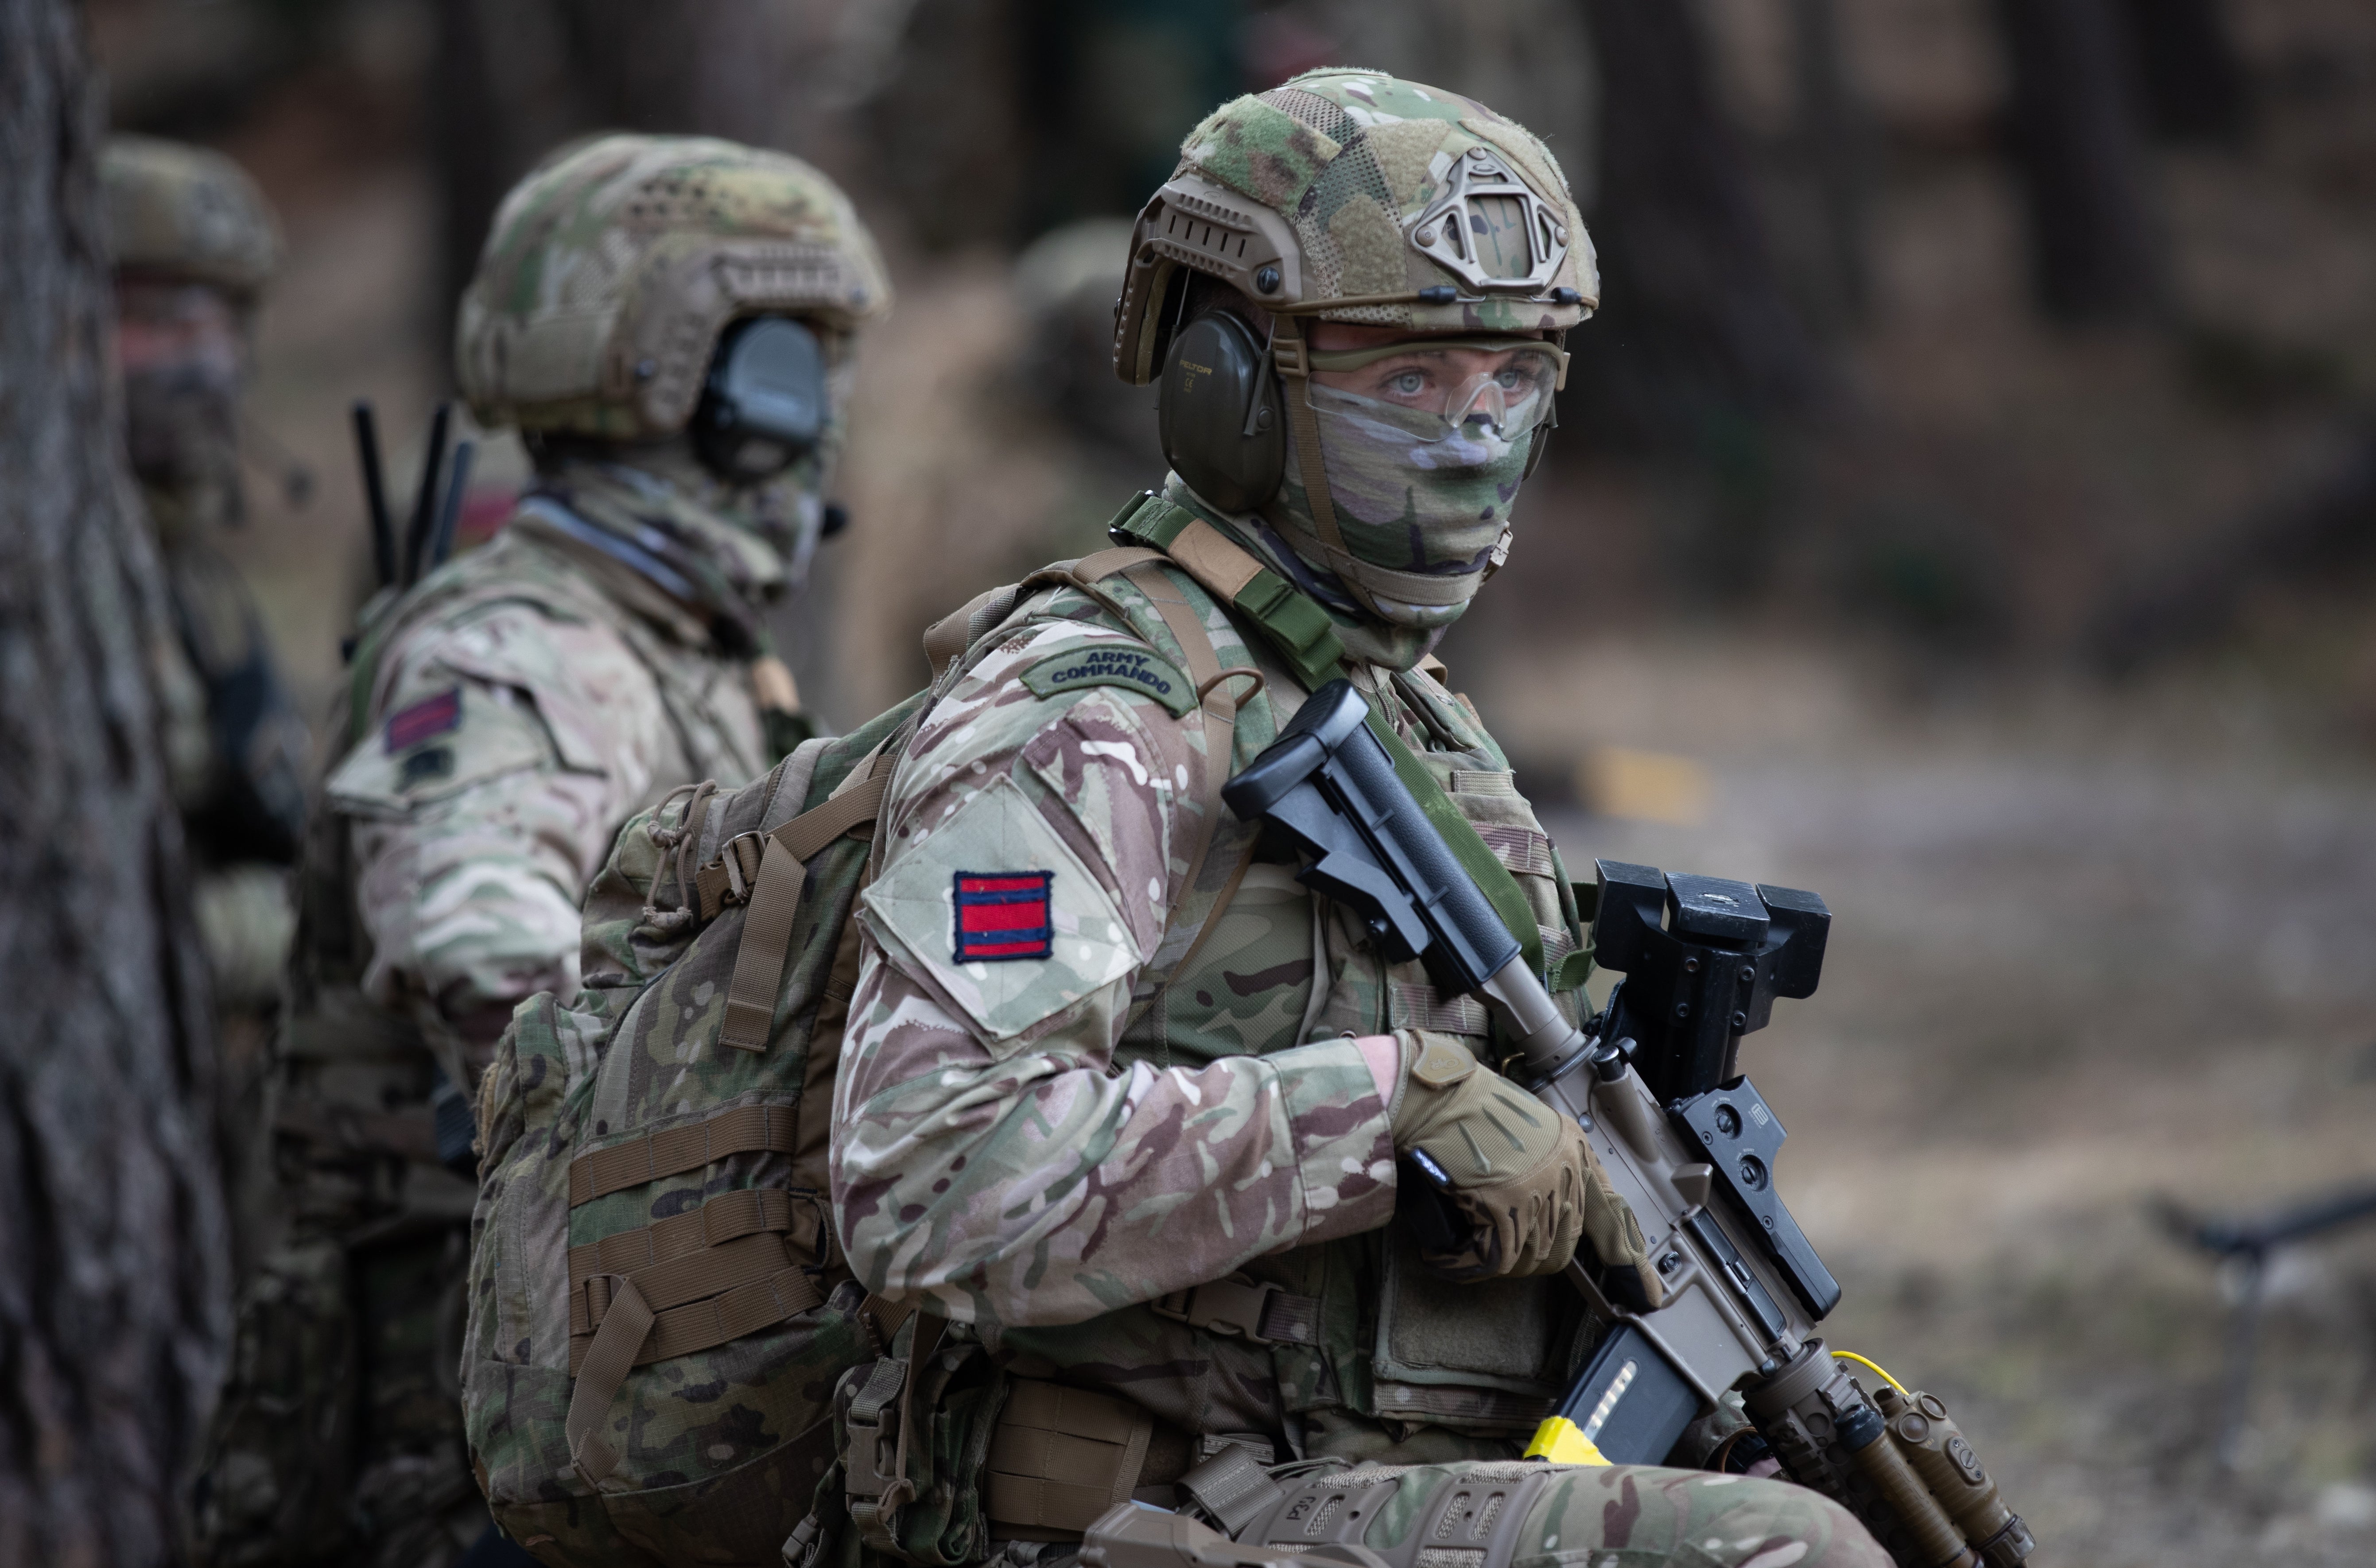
(194, 243)
(670, 322)
(1065, 283)
(1121, 1103)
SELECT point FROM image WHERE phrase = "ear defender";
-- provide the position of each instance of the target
(764, 405)
(1217, 409)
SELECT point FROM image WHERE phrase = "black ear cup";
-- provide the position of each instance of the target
(764, 404)
(1219, 410)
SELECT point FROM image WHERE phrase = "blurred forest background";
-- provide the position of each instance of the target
(1964, 507)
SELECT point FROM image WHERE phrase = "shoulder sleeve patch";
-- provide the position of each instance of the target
(1003, 916)
(435, 747)
(1015, 942)
(1127, 665)
(408, 726)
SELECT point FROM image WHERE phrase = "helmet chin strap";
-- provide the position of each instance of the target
(1366, 581)
(1287, 351)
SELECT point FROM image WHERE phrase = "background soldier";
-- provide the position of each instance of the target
(670, 323)
(1120, 1098)
(195, 242)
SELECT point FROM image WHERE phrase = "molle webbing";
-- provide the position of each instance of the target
(743, 1129)
(725, 1218)
(718, 1293)
(633, 1333)
(1062, 1456)
(686, 1283)
(1460, 836)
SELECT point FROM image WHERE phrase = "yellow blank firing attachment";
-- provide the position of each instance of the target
(1874, 1367)
(1562, 1441)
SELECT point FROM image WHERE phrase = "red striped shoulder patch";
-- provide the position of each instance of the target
(430, 716)
(1002, 915)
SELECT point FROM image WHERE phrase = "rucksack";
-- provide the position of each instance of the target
(659, 1313)
(660, 1324)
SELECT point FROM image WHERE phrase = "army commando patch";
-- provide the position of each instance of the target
(1002, 915)
(1126, 665)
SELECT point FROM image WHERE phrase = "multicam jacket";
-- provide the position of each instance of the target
(509, 715)
(1036, 1134)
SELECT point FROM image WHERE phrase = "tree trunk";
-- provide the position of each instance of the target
(113, 1255)
(1834, 137)
(2072, 129)
(1695, 330)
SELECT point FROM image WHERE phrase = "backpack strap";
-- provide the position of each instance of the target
(775, 899)
(1216, 699)
(686, 1283)
(1295, 625)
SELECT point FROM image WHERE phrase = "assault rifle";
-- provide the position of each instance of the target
(1688, 1144)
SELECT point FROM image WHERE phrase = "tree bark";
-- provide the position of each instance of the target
(1695, 329)
(1833, 140)
(113, 1255)
(2074, 133)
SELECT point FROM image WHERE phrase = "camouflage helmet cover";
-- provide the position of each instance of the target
(187, 212)
(610, 271)
(1357, 196)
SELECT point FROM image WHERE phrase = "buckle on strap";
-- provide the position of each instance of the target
(870, 1465)
(1264, 1313)
(725, 881)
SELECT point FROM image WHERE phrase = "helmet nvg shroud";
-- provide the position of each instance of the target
(611, 272)
(1342, 195)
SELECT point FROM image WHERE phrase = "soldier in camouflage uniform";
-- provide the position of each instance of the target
(195, 242)
(670, 324)
(1121, 1099)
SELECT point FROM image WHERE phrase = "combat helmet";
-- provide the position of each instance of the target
(187, 213)
(1346, 195)
(610, 271)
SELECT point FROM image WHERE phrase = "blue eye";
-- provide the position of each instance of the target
(1410, 383)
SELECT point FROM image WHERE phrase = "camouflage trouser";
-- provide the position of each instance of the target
(1589, 1516)
(1632, 1515)
(338, 1438)
(338, 1435)
(1608, 1517)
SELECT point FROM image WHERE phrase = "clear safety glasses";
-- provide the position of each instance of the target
(1449, 386)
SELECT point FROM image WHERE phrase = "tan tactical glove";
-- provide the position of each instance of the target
(1523, 1177)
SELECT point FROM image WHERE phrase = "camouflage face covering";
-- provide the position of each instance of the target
(1412, 499)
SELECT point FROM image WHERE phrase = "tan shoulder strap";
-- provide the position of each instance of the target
(776, 900)
(1207, 554)
(1099, 564)
(1215, 696)
(945, 638)
(1292, 357)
